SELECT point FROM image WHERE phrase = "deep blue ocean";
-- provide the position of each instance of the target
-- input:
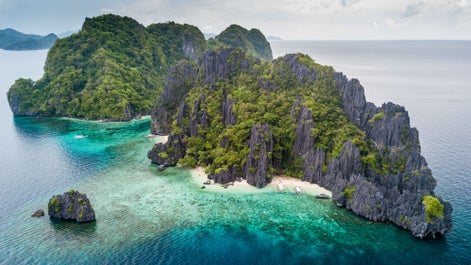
(150, 217)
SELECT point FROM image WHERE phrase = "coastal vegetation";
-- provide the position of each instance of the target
(55, 204)
(378, 116)
(348, 192)
(433, 208)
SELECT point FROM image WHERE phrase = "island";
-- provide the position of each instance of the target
(228, 107)
(240, 117)
(115, 68)
(13, 40)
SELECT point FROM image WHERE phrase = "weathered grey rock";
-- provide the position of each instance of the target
(228, 116)
(223, 63)
(215, 65)
(190, 48)
(170, 152)
(180, 79)
(397, 195)
(224, 176)
(303, 72)
(304, 142)
(259, 161)
(38, 213)
(71, 205)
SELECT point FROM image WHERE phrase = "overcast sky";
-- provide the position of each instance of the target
(289, 19)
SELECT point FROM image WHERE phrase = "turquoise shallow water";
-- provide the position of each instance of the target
(164, 217)
(150, 217)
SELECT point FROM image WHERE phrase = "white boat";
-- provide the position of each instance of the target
(298, 190)
(323, 196)
(280, 187)
(80, 136)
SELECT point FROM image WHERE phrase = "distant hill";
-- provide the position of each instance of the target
(11, 39)
(251, 41)
(208, 36)
(67, 33)
(270, 38)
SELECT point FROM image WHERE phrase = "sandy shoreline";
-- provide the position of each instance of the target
(160, 138)
(288, 183)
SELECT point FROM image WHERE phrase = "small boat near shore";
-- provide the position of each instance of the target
(79, 136)
(280, 187)
(323, 196)
(161, 167)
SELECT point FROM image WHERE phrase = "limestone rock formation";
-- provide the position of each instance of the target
(259, 159)
(180, 79)
(71, 205)
(370, 159)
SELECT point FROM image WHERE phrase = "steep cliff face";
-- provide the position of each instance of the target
(259, 161)
(249, 119)
(396, 191)
(180, 79)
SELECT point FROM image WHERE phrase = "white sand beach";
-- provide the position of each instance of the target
(159, 138)
(289, 184)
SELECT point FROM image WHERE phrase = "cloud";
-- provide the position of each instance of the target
(394, 24)
(348, 2)
(462, 4)
(413, 10)
(315, 19)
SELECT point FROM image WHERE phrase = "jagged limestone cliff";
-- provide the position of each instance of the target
(240, 117)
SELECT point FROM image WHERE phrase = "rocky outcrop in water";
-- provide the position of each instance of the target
(38, 213)
(71, 205)
(372, 164)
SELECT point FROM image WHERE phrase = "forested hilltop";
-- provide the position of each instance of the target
(13, 40)
(240, 117)
(114, 68)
